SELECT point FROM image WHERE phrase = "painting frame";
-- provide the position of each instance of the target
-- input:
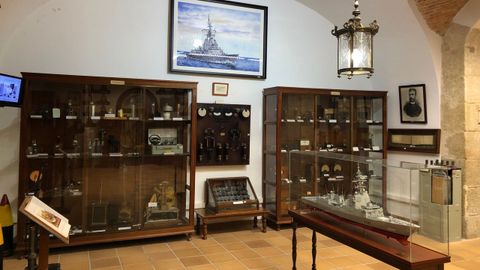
(239, 31)
(413, 104)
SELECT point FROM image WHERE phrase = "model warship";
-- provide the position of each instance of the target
(359, 209)
(210, 52)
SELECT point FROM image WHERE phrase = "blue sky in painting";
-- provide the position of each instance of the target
(237, 31)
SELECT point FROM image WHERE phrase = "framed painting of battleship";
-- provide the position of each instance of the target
(218, 38)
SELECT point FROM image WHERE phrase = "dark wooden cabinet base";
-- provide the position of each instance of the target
(204, 216)
(413, 256)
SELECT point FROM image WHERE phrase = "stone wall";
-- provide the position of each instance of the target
(472, 134)
(460, 119)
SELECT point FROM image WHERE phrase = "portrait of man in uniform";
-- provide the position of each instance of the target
(412, 104)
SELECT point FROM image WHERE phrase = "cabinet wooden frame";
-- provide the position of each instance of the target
(355, 126)
(137, 164)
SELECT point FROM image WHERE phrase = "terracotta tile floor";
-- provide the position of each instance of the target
(232, 247)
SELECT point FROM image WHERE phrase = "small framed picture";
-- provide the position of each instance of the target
(219, 89)
(413, 105)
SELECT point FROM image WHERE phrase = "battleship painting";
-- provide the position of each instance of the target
(210, 52)
(218, 38)
(358, 208)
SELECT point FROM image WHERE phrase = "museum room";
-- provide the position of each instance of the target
(242, 134)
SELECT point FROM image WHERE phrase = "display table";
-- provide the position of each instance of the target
(204, 216)
(400, 254)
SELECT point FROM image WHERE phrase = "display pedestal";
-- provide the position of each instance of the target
(203, 217)
(42, 250)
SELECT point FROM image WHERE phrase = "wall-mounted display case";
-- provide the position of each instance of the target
(386, 223)
(305, 119)
(223, 134)
(414, 140)
(113, 155)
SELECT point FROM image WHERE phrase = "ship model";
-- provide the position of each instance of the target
(210, 52)
(358, 209)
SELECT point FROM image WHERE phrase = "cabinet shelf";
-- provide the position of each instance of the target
(113, 175)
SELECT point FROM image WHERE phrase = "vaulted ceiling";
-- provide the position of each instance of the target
(438, 14)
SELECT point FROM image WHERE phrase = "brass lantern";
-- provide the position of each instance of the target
(355, 46)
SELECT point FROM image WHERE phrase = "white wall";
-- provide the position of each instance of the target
(127, 38)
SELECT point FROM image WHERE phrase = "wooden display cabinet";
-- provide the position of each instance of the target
(113, 155)
(230, 194)
(307, 119)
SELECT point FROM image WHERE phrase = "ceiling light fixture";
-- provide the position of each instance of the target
(355, 46)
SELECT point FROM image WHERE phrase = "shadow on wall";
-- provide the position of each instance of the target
(9, 161)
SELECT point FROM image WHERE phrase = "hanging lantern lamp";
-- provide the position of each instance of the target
(355, 46)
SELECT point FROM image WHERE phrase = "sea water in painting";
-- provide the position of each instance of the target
(214, 37)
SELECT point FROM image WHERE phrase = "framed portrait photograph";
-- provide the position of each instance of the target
(413, 105)
(219, 89)
(218, 38)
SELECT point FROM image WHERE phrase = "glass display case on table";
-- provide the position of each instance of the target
(374, 205)
(113, 155)
(307, 119)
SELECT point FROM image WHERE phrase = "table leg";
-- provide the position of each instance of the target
(264, 224)
(255, 222)
(314, 250)
(294, 246)
(204, 231)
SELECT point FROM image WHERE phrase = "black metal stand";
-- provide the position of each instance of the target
(42, 256)
(32, 247)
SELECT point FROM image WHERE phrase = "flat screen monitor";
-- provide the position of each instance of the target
(11, 91)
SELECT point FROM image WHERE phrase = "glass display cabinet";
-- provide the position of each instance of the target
(305, 119)
(113, 155)
(351, 206)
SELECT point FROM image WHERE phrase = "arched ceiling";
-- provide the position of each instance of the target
(438, 14)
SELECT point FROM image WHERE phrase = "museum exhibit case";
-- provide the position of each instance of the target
(352, 207)
(230, 194)
(113, 155)
(308, 119)
(223, 134)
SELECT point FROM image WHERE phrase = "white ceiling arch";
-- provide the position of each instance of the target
(469, 15)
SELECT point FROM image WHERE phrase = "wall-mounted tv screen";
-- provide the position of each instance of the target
(11, 91)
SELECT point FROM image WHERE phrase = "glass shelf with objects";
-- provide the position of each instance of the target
(111, 154)
(311, 119)
(412, 210)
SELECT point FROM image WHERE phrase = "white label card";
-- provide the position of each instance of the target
(355, 149)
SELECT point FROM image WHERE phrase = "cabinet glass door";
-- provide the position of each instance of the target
(53, 165)
(112, 142)
(164, 171)
(368, 139)
(269, 153)
(333, 131)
